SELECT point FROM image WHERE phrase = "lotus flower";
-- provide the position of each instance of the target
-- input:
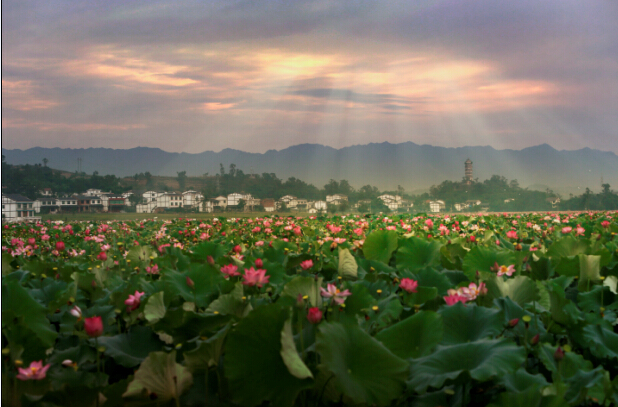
(230, 270)
(307, 264)
(36, 371)
(133, 301)
(333, 292)
(506, 270)
(454, 297)
(93, 326)
(314, 315)
(408, 285)
(254, 277)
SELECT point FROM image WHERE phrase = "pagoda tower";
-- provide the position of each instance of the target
(468, 171)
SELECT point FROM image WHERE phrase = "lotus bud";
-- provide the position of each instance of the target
(535, 339)
(190, 283)
(210, 260)
(513, 322)
(259, 263)
(559, 354)
(237, 248)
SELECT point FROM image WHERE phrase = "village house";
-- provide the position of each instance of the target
(146, 207)
(67, 204)
(437, 206)
(88, 203)
(320, 206)
(268, 204)
(112, 202)
(46, 192)
(16, 207)
(290, 201)
(393, 202)
(127, 198)
(336, 199)
(219, 203)
(46, 205)
(234, 199)
(192, 199)
(169, 200)
(150, 196)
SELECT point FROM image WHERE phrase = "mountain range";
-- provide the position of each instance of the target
(384, 165)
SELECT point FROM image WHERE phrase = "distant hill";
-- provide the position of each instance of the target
(384, 165)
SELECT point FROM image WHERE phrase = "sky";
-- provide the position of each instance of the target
(195, 76)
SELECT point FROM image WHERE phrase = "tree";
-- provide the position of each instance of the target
(182, 179)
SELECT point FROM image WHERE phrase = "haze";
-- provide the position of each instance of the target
(257, 75)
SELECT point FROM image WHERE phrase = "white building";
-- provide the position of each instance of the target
(436, 206)
(290, 201)
(169, 200)
(150, 196)
(192, 199)
(320, 205)
(46, 205)
(219, 203)
(234, 198)
(147, 207)
(336, 199)
(16, 207)
(95, 192)
(127, 198)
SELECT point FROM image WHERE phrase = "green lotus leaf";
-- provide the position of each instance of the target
(482, 259)
(589, 271)
(416, 254)
(17, 300)
(581, 382)
(597, 297)
(380, 245)
(131, 348)
(566, 247)
(348, 269)
(363, 368)
(431, 278)
(231, 304)
(468, 323)
(481, 360)
(253, 365)
(521, 380)
(207, 353)
(415, 336)
(141, 254)
(206, 280)
(154, 309)
(421, 296)
(302, 286)
(205, 249)
(159, 374)
(600, 340)
(389, 310)
(289, 353)
(520, 289)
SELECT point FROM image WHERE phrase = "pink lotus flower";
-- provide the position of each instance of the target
(472, 291)
(506, 270)
(153, 269)
(454, 297)
(307, 264)
(314, 315)
(76, 312)
(259, 243)
(511, 234)
(102, 256)
(36, 371)
(255, 277)
(408, 285)
(31, 241)
(566, 230)
(579, 230)
(230, 270)
(256, 229)
(358, 231)
(133, 301)
(93, 326)
(429, 223)
(60, 246)
(45, 237)
(333, 292)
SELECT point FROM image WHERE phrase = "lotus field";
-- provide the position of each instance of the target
(500, 310)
